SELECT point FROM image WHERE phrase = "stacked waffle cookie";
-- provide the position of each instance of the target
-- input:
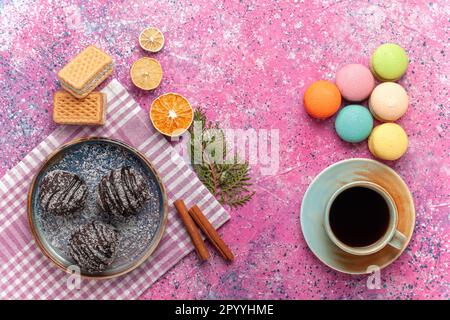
(79, 104)
(91, 110)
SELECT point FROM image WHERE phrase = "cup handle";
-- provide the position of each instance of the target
(398, 240)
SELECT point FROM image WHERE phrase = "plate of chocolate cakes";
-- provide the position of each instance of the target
(97, 206)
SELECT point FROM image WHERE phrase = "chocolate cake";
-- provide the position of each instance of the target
(122, 192)
(94, 246)
(62, 192)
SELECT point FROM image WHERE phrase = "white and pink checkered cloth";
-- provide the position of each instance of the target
(25, 273)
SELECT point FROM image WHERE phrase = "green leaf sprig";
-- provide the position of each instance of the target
(229, 182)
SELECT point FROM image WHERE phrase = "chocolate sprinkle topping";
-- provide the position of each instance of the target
(94, 246)
(62, 192)
(122, 192)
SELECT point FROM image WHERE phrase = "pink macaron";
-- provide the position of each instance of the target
(355, 82)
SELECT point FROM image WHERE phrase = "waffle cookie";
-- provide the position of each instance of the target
(86, 71)
(90, 110)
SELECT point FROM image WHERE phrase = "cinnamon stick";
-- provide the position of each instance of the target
(197, 240)
(211, 233)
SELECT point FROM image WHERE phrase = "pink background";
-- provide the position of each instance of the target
(248, 63)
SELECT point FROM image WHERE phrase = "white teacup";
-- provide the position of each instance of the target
(391, 237)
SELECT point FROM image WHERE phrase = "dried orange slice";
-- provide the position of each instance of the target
(171, 114)
(151, 39)
(146, 73)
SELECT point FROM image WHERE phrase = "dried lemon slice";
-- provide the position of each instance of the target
(146, 73)
(151, 39)
(171, 114)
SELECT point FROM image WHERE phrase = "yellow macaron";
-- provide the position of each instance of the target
(388, 141)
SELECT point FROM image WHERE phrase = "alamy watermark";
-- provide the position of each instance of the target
(73, 281)
(374, 278)
(257, 147)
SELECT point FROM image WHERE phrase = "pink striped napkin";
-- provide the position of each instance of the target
(26, 274)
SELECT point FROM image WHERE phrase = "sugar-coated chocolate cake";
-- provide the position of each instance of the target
(62, 192)
(94, 246)
(122, 192)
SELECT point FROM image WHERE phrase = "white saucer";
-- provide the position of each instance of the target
(322, 188)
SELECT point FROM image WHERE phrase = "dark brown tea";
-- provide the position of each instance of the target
(359, 216)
